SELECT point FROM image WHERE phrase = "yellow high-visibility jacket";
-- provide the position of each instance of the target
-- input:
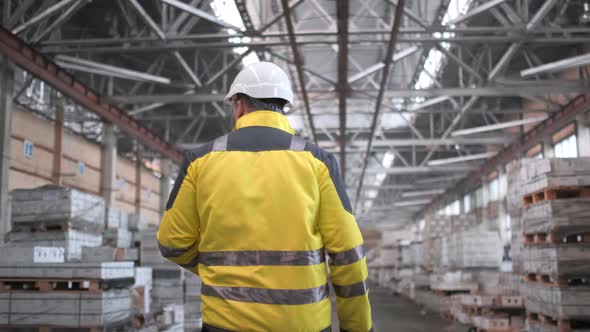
(254, 213)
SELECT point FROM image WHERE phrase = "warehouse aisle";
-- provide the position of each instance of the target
(395, 313)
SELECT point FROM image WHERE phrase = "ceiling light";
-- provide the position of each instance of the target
(585, 17)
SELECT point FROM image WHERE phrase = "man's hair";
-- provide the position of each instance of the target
(278, 102)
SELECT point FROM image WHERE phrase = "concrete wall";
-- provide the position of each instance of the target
(37, 170)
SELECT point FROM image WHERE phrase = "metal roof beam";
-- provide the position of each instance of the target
(414, 170)
(229, 66)
(399, 9)
(536, 88)
(497, 126)
(492, 140)
(342, 14)
(378, 66)
(476, 11)
(41, 16)
(292, 5)
(411, 15)
(65, 60)
(175, 98)
(418, 193)
(299, 66)
(38, 65)
(573, 62)
(533, 88)
(461, 159)
(200, 13)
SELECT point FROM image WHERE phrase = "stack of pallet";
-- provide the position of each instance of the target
(141, 295)
(167, 293)
(556, 234)
(44, 281)
(474, 248)
(192, 303)
(497, 306)
(490, 312)
(58, 217)
(443, 286)
(45, 291)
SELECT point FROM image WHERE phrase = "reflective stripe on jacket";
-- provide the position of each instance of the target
(254, 213)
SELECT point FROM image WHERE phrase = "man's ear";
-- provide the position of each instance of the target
(242, 107)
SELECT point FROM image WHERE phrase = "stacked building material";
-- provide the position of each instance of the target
(58, 217)
(167, 280)
(556, 255)
(70, 239)
(193, 319)
(172, 318)
(53, 206)
(137, 222)
(433, 302)
(107, 254)
(69, 309)
(494, 307)
(515, 174)
(44, 281)
(40, 289)
(475, 248)
(453, 282)
(141, 292)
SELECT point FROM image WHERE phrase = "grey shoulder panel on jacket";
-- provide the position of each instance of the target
(330, 161)
(190, 157)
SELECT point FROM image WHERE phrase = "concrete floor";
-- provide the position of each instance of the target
(393, 313)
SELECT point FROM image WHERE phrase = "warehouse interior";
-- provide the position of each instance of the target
(461, 129)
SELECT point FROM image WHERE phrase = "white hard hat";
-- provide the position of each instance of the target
(262, 80)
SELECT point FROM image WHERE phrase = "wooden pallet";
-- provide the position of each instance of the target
(61, 226)
(562, 281)
(546, 279)
(448, 292)
(533, 239)
(562, 325)
(57, 285)
(548, 194)
(125, 327)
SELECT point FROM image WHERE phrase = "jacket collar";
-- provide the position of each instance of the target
(264, 119)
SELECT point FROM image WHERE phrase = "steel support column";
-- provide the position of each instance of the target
(109, 165)
(58, 143)
(6, 105)
(40, 66)
(138, 182)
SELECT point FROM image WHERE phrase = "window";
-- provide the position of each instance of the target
(508, 225)
(456, 208)
(467, 203)
(121, 184)
(479, 197)
(81, 168)
(28, 149)
(566, 148)
(493, 190)
(502, 186)
(448, 210)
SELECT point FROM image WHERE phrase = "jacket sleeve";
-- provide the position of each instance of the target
(344, 243)
(178, 234)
